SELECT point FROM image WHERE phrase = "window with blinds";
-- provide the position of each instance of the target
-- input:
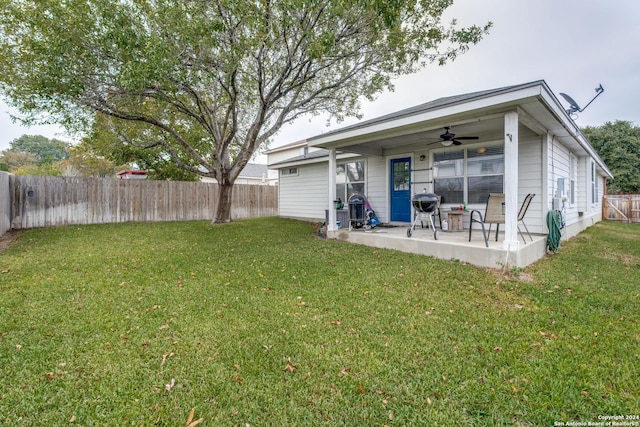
(468, 174)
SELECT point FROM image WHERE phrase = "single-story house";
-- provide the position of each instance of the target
(132, 174)
(252, 174)
(514, 141)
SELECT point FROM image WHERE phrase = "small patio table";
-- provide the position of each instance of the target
(456, 222)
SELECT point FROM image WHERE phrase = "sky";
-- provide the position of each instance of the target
(574, 45)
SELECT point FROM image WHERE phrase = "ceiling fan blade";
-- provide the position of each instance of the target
(456, 142)
(468, 137)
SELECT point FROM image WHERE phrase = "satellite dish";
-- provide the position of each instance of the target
(573, 105)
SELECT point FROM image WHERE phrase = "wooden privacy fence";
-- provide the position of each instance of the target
(51, 201)
(5, 203)
(621, 208)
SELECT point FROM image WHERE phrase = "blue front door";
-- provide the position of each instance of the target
(401, 189)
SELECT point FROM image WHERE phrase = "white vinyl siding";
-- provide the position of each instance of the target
(558, 170)
(307, 194)
(285, 154)
(376, 188)
(588, 193)
(583, 168)
(593, 179)
(573, 177)
(530, 180)
(421, 177)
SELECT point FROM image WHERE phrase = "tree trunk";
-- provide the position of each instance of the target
(223, 210)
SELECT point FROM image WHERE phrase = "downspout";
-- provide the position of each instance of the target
(331, 227)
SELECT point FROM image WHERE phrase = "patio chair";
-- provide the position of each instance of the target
(522, 213)
(493, 214)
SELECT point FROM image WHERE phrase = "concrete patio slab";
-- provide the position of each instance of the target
(450, 245)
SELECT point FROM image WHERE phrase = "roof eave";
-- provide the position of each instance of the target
(346, 136)
(296, 161)
(508, 97)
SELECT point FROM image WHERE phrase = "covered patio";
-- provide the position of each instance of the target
(450, 245)
(535, 143)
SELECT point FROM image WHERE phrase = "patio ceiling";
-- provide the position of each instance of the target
(486, 129)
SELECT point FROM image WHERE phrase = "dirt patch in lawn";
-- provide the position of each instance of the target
(515, 274)
(8, 239)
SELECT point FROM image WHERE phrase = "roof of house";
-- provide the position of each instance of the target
(251, 170)
(427, 106)
(316, 154)
(432, 105)
(254, 170)
(131, 172)
(300, 143)
(535, 100)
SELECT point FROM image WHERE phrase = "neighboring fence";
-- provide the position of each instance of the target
(50, 201)
(621, 207)
(5, 203)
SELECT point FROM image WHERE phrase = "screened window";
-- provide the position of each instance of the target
(349, 179)
(468, 174)
(485, 173)
(448, 174)
(289, 172)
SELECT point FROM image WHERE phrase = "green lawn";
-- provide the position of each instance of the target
(262, 323)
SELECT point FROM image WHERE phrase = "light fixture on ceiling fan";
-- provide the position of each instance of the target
(447, 138)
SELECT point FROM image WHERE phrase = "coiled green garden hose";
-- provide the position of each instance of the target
(554, 224)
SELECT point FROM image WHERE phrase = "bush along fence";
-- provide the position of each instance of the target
(37, 201)
(621, 208)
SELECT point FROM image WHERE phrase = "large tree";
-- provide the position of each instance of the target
(618, 144)
(127, 142)
(46, 150)
(83, 161)
(12, 160)
(210, 81)
(30, 153)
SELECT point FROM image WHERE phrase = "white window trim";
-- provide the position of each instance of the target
(594, 183)
(465, 175)
(289, 173)
(346, 183)
(573, 180)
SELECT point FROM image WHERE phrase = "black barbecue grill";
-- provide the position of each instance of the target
(424, 203)
(356, 211)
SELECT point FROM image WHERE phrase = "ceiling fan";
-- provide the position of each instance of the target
(448, 138)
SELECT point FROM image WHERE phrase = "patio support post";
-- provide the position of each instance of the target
(511, 142)
(331, 227)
